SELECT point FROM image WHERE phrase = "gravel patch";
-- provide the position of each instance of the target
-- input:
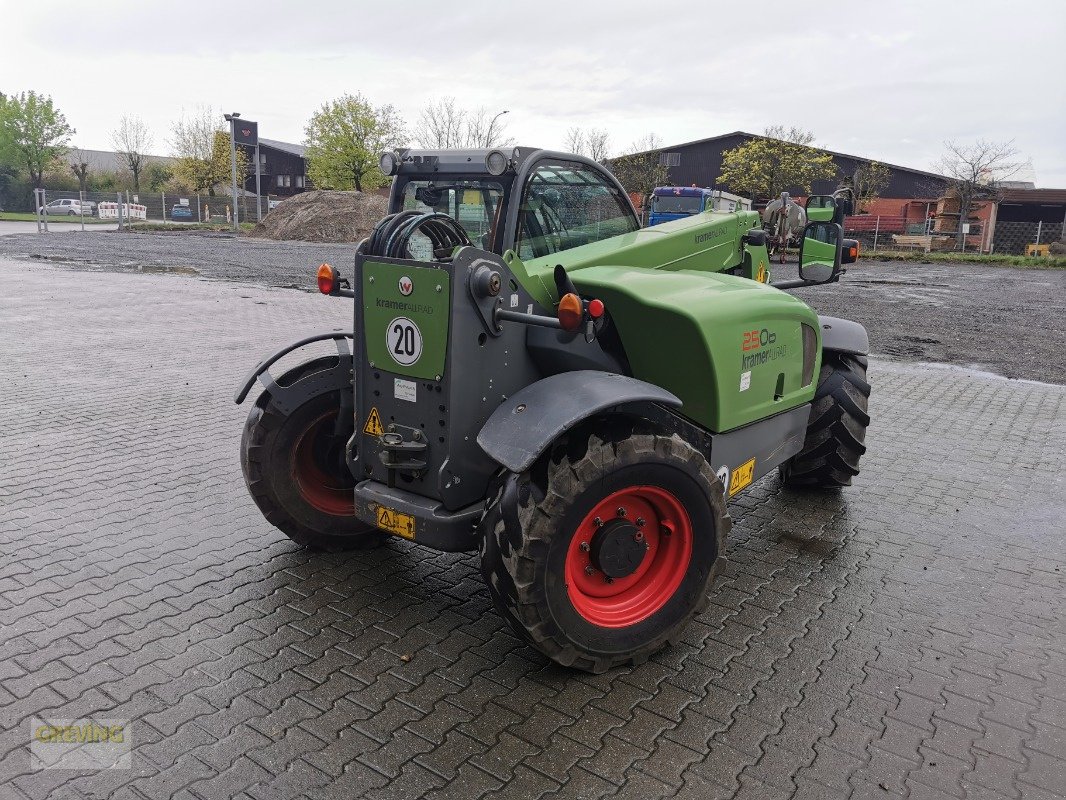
(1008, 321)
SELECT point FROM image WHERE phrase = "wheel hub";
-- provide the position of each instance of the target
(617, 549)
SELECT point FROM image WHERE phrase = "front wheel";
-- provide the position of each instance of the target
(602, 553)
(836, 428)
(295, 468)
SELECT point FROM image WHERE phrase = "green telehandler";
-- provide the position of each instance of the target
(532, 375)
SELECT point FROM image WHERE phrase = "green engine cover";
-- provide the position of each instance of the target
(734, 350)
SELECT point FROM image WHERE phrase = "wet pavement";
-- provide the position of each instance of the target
(1004, 320)
(904, 637)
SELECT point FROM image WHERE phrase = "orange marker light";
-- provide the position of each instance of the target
(855, 253)
(327, 279)
(571, 312)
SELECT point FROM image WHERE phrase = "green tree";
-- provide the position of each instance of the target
(33, 133)
(344, 140)
(192, 141)
(777, 162)
(868, 181)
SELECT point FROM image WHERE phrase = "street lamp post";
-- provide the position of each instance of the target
(492, 125)
(232, 120)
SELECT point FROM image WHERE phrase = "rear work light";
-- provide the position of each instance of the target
(328, 279)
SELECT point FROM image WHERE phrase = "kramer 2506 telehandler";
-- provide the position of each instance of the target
(534, 376)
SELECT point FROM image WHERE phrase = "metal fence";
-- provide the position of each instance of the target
(879, 232)
(124, 208)
(1026, 238)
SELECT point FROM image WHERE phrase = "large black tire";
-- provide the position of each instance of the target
(295, 471)
(836, 428)
(533, 539)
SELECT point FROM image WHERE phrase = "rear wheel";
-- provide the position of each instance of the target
(601, 553)
(836, 428)
(295, 469)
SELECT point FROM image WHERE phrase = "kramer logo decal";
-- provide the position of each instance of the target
(742, 476)
(406, 286)
(762, 342)
(705, 237)
(400, 305)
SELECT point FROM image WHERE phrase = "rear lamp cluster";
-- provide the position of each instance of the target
(572, 311)
(328, 279)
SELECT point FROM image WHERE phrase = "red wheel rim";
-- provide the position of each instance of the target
(328, 493)
(624, 601)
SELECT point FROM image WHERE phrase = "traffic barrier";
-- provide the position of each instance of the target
(129, 211)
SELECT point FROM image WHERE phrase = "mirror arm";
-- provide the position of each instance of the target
(795, 284)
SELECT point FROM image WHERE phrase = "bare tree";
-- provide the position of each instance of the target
(485, 131)
(593, 143)
(132, 140)
(446, 126)
(441, 125)
(79, 165)
(974, 172)
(640, 168)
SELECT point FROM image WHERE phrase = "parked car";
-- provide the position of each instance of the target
(179, 211)
(69, 208)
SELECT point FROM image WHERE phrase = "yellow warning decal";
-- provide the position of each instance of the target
(742, 476)
(761, 275)
(373, 424)
(395, 522)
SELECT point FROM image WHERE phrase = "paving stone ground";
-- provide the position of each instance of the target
(902, 638)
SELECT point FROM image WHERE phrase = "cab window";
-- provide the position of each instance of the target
(474, 203)
(566, 205)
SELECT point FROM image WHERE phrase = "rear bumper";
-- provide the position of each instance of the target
(430, 523)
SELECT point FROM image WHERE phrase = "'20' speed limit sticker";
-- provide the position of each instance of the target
(404, 341)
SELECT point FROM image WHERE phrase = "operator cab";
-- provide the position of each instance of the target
(534, 202)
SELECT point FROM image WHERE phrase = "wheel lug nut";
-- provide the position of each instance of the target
(641, 522)
(589, 569)
(597, 522)
(608, 579)
(621, 511)
(584, 547)
(638, 537)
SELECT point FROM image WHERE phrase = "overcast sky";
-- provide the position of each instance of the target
(885, 80)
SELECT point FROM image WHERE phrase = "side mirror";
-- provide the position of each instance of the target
(820, 208)
(820, 253)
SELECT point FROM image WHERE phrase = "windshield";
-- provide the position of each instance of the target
(672, 204)
(472, 202)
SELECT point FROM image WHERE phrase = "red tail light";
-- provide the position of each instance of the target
(327, 279)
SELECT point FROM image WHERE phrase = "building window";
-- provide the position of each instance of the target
(284, 181)
(263, 159)
(299, 181)
(669, 159)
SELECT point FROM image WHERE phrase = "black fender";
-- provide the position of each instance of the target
(526, 424)
(844, 336)
(288, 398)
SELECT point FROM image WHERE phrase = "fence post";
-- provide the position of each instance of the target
(81, 207)
(44, 205)
(119, 196)
(199, 216)
(1039, 226)
(877, 228)
(163, 200)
